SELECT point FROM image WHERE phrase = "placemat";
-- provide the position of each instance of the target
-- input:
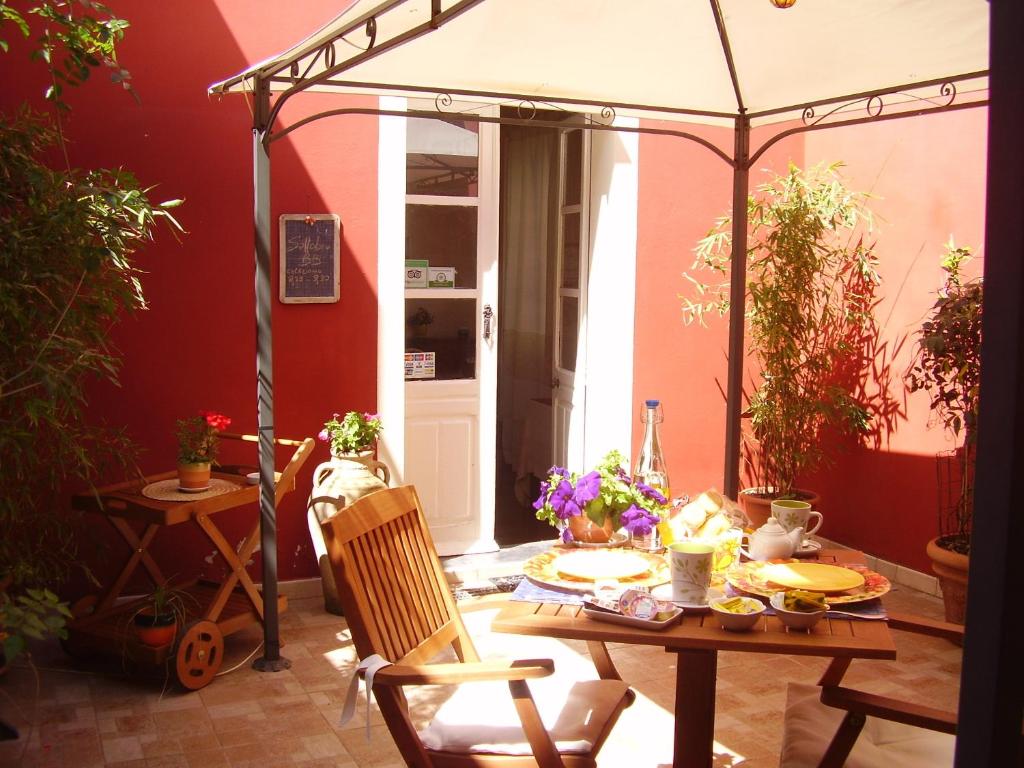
(167, 490)
(528, 592)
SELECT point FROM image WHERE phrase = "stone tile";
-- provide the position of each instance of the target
(122, 749)
(211, 758)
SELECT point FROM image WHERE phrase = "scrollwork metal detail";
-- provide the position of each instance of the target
(608, 114)
(528, 107)
(442, 101)
(330, 55)
(949, 91)
(371, 31)
(878, 103)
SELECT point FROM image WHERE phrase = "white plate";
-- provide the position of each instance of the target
(630, 621)
(194, 490)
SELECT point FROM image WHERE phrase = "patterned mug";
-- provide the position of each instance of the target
(793, 514)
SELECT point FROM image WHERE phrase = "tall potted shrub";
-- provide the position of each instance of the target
(810, 283)
(67, 241)
(947, 365)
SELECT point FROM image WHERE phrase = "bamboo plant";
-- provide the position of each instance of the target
(811, 276)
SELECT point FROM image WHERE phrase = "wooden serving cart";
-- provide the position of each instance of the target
(102, 624)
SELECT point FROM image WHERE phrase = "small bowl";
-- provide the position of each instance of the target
(253, 478)
(737, 622)
(794, 619)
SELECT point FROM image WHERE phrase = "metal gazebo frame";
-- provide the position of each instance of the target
(907, 100)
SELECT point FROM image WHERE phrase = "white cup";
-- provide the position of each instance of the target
(690, 563)
(793, 514)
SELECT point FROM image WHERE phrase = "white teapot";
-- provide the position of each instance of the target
(771, 540)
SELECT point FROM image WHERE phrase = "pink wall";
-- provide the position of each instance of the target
(927, 176)
(199, 148)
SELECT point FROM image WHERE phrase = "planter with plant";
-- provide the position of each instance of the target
(68, 273)
(162, 613)
(197, 449)
(351, 473)
(592, 507)
(810, 283)
(947, 365)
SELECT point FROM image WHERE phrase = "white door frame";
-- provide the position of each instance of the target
(458, 500)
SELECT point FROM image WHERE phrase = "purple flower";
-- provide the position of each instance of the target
(562, 501)
(651, 493)
(637, 521)
(543, 498)
(587, 488)
(322, 435)
(560, 471)
(566, 535)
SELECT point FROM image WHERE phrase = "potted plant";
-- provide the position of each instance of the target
(591, 507)
(947, 365)
(157, 621)
(352, 473)
(197, 449)
(810, 284)
(419, 321)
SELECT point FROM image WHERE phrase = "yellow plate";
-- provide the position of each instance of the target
(818, 577)
(598, 564)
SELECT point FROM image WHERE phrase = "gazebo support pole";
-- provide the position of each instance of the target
(737, 305)
(271, 661)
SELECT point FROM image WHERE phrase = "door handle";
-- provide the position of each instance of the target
(555, 382)
(488, 317)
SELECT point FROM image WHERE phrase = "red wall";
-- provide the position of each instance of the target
(195, 347)
(927, 177)
(927, 173)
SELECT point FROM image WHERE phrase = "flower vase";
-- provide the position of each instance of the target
(585, 530)
(194, 477)
(336, 484)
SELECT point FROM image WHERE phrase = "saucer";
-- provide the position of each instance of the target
(664, 592)
(193, 490)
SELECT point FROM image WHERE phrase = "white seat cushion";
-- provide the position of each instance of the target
(810, 726)
(482, 718)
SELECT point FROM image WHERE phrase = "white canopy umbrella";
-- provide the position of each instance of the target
(695, 60)
(728, 62)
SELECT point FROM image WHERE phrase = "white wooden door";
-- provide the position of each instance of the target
(449, 386)
(568, 382)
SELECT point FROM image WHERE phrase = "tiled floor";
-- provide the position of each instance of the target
(96, 716)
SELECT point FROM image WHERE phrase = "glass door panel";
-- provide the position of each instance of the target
(444, 236)
(441, 158)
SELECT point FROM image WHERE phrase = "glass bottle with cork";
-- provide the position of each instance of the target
(650, 467)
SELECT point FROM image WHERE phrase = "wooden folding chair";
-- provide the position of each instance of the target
(398, 605)
(867, 730)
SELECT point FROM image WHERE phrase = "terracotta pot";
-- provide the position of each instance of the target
(757, 503)
(155, 631)
(586, 530)
(194, 476)
(951, 568)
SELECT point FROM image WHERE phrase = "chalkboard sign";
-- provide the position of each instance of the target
(310, 260)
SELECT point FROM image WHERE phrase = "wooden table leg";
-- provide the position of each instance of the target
(696, 673)
(236, 561)
(138, 545)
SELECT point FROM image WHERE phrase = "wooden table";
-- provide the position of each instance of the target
(696, 641)
(102, 623)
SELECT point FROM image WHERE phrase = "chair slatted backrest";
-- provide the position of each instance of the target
(393, 591)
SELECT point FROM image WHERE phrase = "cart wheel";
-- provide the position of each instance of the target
(200, 654)
(83, 606)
